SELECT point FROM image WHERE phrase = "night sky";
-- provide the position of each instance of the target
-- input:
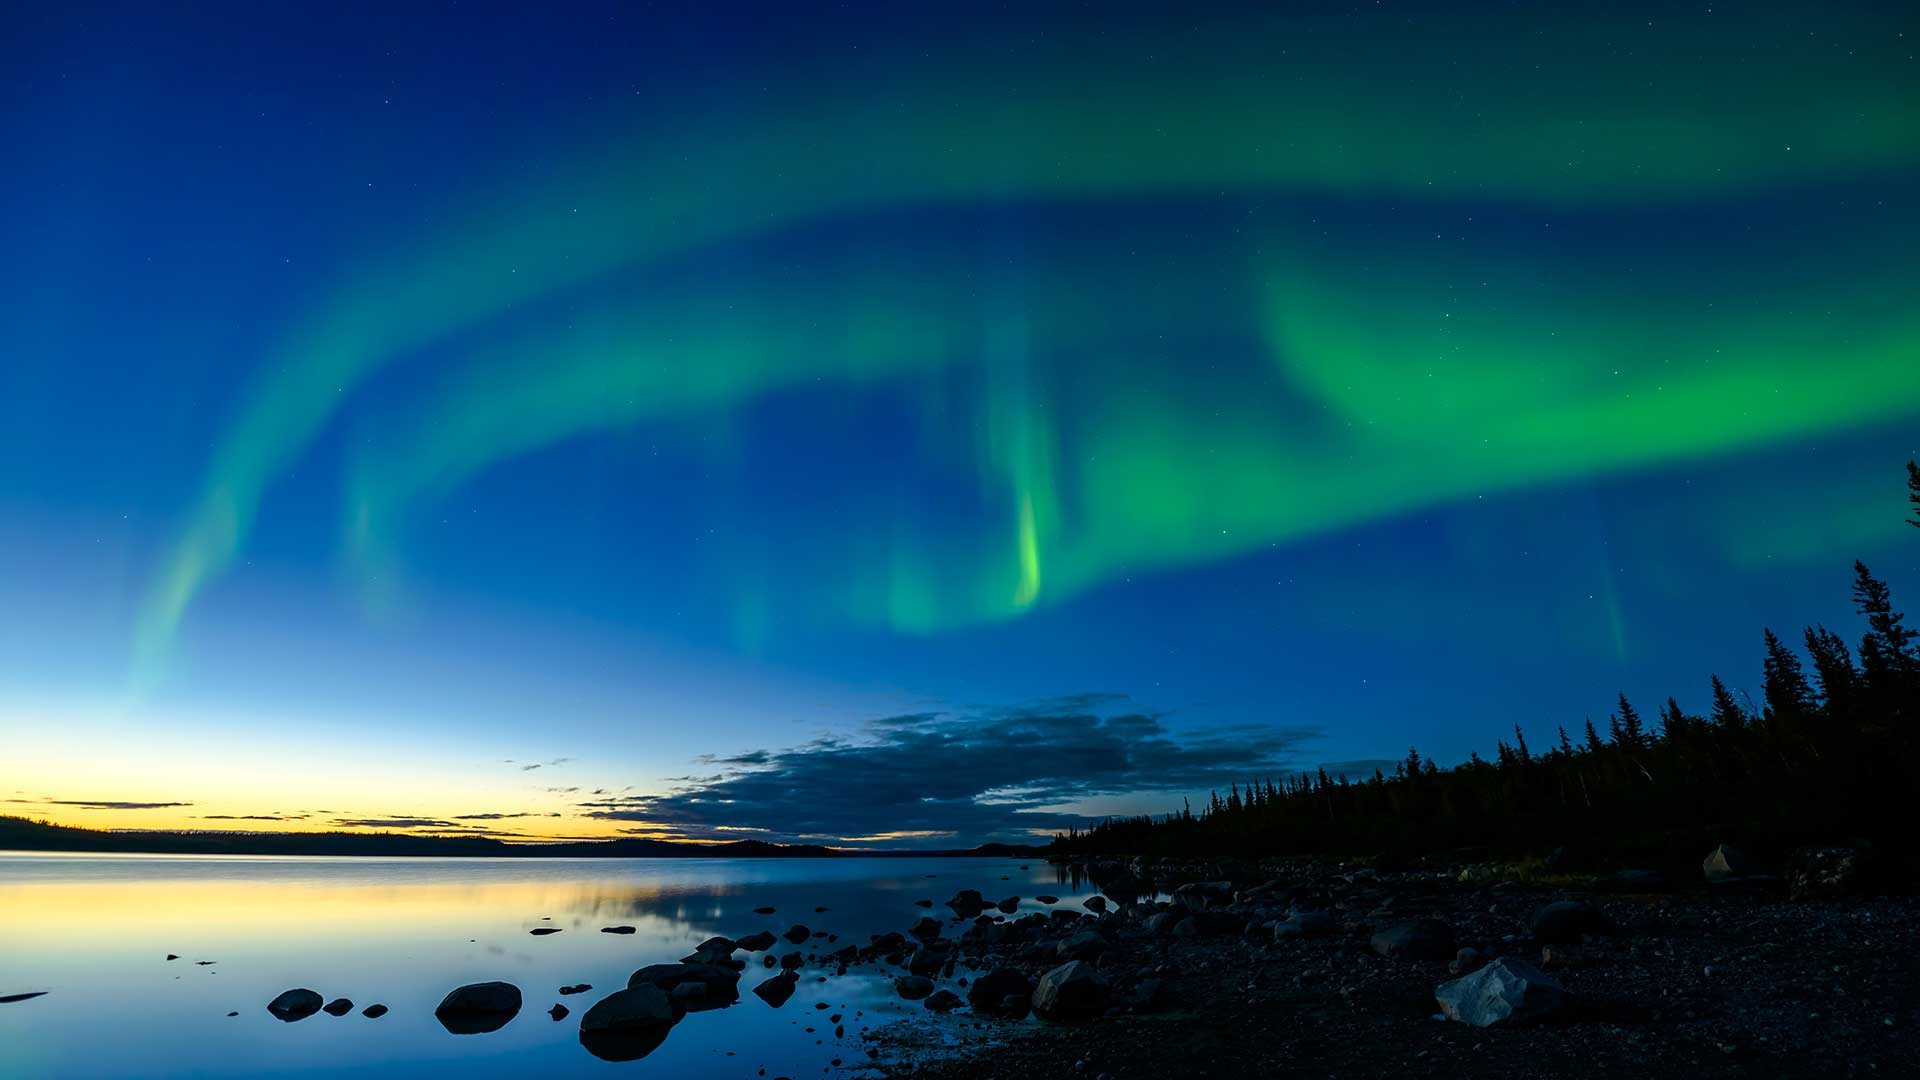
(899, 426)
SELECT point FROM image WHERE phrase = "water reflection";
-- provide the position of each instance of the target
(93, 934)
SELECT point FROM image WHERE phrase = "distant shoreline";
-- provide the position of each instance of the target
(22, 836)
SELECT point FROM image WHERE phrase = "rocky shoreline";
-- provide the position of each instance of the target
(1329, 969)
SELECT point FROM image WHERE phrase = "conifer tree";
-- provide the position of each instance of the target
(1913, 491)
(1727, 713)
(1631, 733)
(1788, 696)
(1594, 745)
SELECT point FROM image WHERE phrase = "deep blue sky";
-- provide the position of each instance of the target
(390, 401)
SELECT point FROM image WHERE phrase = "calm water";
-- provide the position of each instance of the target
(94, 931)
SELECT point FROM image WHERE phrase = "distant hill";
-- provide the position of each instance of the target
(20, 834)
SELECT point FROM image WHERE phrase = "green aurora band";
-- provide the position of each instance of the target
(1391, 381)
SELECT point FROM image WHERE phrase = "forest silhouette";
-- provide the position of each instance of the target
(1830, 755)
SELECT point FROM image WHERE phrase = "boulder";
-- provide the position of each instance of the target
(1311, 922)
(1085, 945)
(543, 931)
(1204, 895)
(337, 1007)
(928, 959)
(943, 1001)
(374, 1011)
(1163, 922)
(926, 929)
(1095, 902)
(792, 961)
(1505, 993)
(1009, 905)
(1725, 863)
(478, 1008)
(777, 990)
(763, 911)
(1821, 873)
(1071, 991)
(913, 987)
(1425, 939)
(1568, 921)
(628, 1024)
(797, 934)
(616, 929)
(558, 1012)
(991, 991)
(295, 1005)
(1047, 899)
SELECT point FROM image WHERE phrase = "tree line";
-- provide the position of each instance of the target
(1831, 753)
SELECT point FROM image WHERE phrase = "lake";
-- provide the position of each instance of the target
(95, 931)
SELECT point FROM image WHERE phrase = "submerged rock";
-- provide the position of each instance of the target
(797, 934)
(478, 1008)
(543, 931)
(616, 929)
(558, 1012)
(967, 903)
(1047, 899)
(374, 1011)
(295, 1005)
(337, 1007)
(1506, 993)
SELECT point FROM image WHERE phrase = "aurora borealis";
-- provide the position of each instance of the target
(641, 387)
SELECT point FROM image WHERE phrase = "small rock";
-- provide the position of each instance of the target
(796, 934)
(1507, 992)
(616, 929)
(1725, 863)
(543, 931)
(558, 1012)
(943, 1001)
(374, 1011)
(1568, 921)
(913, 987)
(1426, 939)
(337, 1007)
(1466, 961)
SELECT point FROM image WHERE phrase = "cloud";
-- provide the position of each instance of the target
(108, 804)
(1004, 773)
(395, 823)
(253, 817)
(498, 817)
